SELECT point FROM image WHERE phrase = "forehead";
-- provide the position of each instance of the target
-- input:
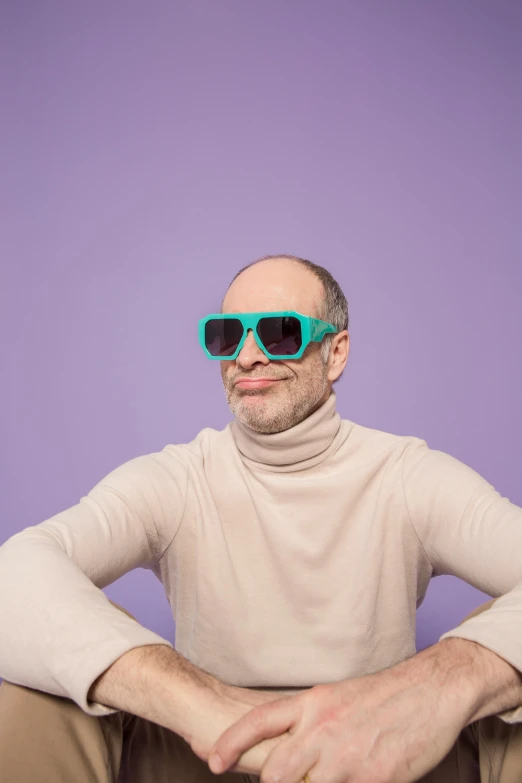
(274, 285)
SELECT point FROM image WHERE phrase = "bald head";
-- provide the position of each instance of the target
(275, 284)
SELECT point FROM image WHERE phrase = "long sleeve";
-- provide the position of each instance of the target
(58, 630)
(469, 530)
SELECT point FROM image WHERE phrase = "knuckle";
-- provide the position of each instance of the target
(257, 718)
(318, 691)
(269, 776)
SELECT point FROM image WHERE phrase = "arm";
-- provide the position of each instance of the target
(400, 722)
(469, 530)
(495, 686)
(483, 680)
(396, 724)
(58, 631)
(160, 685)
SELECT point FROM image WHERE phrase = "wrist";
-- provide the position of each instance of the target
(186, 693)
(155, 682)
(450, 672)
(253, 696)
(459, 672)
(469, 679)
(496, 684)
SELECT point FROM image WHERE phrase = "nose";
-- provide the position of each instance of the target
(251, 353)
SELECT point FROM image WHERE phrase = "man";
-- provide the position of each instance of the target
(294, 548)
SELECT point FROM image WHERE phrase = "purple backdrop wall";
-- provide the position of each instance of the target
(150, 150)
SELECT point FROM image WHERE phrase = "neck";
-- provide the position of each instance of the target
(301, 446)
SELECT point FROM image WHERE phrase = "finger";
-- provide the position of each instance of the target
(263, 722)
(290, 761)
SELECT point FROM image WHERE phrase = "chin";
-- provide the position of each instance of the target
(251, 402)
(259, 416)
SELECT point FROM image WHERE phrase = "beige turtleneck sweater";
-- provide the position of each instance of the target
(289, 560)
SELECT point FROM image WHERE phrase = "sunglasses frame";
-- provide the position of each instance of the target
(312, 330)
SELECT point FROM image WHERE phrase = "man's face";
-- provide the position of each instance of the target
(292, 389)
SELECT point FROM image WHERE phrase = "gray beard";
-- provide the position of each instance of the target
(281, 414)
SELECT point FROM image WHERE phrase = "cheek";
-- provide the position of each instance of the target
(227, 370)
(308, 365)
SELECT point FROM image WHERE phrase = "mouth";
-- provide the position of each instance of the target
(256, 383)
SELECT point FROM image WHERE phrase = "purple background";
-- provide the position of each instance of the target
(151, 149)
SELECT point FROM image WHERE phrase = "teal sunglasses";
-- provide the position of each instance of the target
(280, 335)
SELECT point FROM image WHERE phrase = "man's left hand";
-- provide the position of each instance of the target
(387, 726)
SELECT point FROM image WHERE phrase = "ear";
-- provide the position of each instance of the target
(339, 351)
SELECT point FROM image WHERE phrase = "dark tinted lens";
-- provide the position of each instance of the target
(223, 335)
(280, 336)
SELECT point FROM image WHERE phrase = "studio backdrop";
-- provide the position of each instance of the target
(149, 150)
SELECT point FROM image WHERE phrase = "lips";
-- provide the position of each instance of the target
(256, 383)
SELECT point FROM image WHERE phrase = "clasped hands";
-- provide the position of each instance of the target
(387, 726)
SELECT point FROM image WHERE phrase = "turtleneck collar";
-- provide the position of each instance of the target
(303, 445)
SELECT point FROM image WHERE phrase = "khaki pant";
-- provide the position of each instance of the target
(49, 739)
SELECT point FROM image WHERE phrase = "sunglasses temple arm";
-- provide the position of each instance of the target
(320, 328)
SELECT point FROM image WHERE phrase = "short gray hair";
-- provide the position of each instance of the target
(333, 306)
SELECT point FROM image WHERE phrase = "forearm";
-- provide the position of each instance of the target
(467, 673)
(160, 685)
(157, 683)
(497, 685)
